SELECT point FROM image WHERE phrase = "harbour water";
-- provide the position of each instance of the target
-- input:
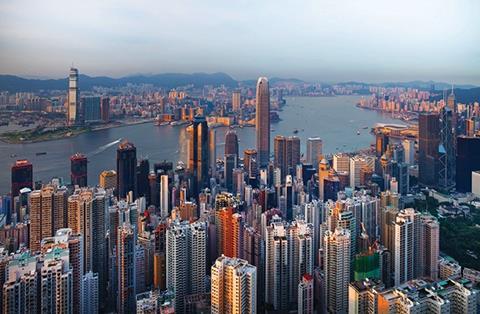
(335, 119)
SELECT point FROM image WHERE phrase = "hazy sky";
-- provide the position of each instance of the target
(321, 40)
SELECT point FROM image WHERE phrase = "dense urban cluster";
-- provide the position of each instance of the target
(263, 230)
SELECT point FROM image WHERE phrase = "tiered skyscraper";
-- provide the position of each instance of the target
(73, 97)
(262, 122)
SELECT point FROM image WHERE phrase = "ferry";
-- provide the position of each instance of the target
(295, 131)
(40, 153)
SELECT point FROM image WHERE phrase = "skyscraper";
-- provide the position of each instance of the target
(186, 260)
(143, 170)
(108, 179)
(236, 101)
(286, 154)
(429, 247)
(105, 109)
(41, 210)
(231, 143)
(198, 151)
(126, 244)
(337, 269)
(22, 176)
(73, 98)
(305, 295)
(212, 151)
(78, 170)
(468, 160)
(428, 141)
(126, 169)
(262, 121)
(164, 196)
(234, 286)
(91, 108)
(314, 150)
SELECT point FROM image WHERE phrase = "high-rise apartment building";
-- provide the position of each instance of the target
(186, 260)
(357, 163)
(305, 295)
(164, 196)
(262, 122)
(41, 216)
(108, 179)
(337, 269)
(429, 250)
(126, 277)
(126, 169)
(234, 286)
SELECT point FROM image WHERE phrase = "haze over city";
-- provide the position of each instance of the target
(327, 41)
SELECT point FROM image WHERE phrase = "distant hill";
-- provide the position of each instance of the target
(464, 96)
(14, 83)
(425, 85)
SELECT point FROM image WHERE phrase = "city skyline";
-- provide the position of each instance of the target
(322, 41)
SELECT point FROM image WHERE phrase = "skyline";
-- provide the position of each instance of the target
(327, 41)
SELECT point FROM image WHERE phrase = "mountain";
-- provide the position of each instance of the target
(425, 85)
(464, 96)
(14, 83)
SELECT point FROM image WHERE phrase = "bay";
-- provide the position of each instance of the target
(335, 119)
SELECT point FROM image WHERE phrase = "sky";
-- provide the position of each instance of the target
(314, 40)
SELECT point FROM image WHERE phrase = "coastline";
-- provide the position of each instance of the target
(111, 125)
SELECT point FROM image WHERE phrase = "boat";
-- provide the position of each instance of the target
(358, 132)
(365, 127)
(40, 153)
(295, 131)
(162, 123)
(13, 155)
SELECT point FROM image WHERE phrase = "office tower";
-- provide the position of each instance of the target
(40, 203)
(262, 122)
(452, 106)
(126, 169)
(230, 163)
(314, 150)
(231, 143)
(91, 108)
(212, 151)
(140, 269)
(236, 101)
(305, 295)
(126, 268)
(409, 151)
(143, 170)
(90, 293)
(356, 164)
(341, 163)
(428, 141)
(446, 150)
(198, 151)
(429, 246)
(22, 176)
(20, 290)
(108, 179)
(468, 160)
(337, 269)
(286, 153)
(78, 170)
(105, 109)
(381, 144)
(323, 171)
(234, 286)
(73, 98)
(250, 164)
(99, 240)
(470, 128)
(331, 187)
(164, 197)
(186, 260)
